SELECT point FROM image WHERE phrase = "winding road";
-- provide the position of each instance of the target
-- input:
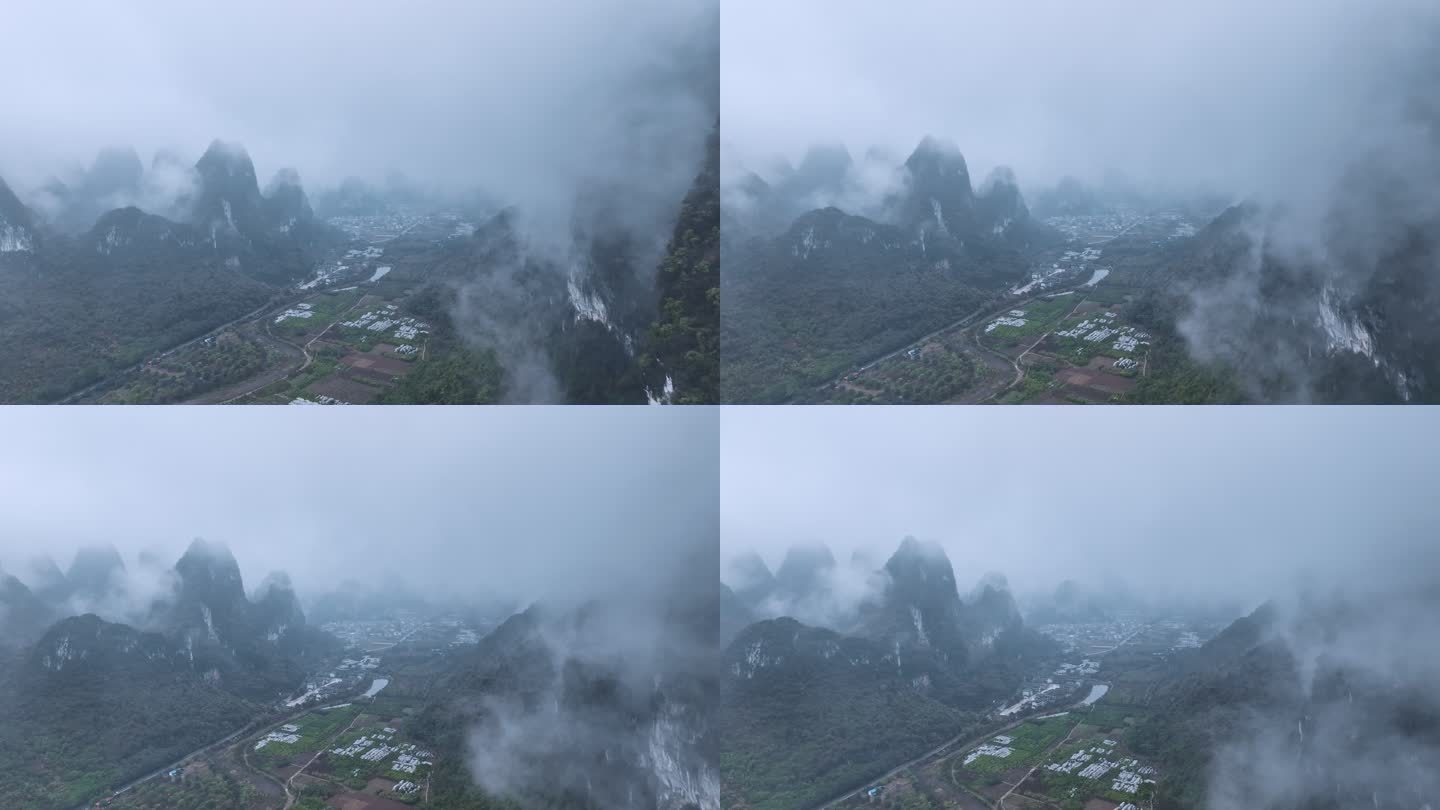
(975, 739)
(1018, 782)
(177, 763)
(971, 320)
(77, 396)
(1019, 370)
(289, 795)
(278, 373)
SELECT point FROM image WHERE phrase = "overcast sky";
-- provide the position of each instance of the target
(520, 97)
(566, 503)
(1228, 501)
(1245, 96)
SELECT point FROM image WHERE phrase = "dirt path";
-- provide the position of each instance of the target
(245, 757)
(235, 393)
(289, 796)
(934, 752)
(972, 794)
(276, 372)
(1122, 643)
(976, 739)
(177, 763)
(969, 323)
(1019, 371)
(77, 397)
(997, 379)
(829, 385)
(990, 357)
(284, 298)
(1000, 805)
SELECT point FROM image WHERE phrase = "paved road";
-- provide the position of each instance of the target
(246, 729)
(1122, 643)
(974, 740)
(77, 396)
(292, 295)
(970, 320)
(274, 373)
(1021, 780)
(289, 796)
(1019, 369)
(278, 373)
(177, 763)
(830, 384)
(938, 750)
(934, 752)
(397, 642)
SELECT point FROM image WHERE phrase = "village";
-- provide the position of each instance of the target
(1069, 758)
(1097, 637)
(376, 634)
(1062, 740)
(339, 336)
(1059, 335)
(344, 733)
(368, 639)
(1094, 763)
(353, 266)
(385, 318)
(1068, 269)
(378, 228)
(360, 342)
(358, 753)
(1095, 228)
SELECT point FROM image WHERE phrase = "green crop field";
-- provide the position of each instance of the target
(316, 729)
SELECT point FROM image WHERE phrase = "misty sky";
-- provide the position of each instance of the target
(527, 503)
(1229, 502)
(1245, 97)
(521, 98)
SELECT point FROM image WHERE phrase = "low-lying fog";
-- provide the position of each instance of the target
(1222, 507)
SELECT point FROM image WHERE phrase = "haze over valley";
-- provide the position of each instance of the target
(414, 222)
(384, 610)
(1096, 610)
(1208, 204)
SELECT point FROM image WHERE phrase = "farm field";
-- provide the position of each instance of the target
(355, 756)
(1075, 760)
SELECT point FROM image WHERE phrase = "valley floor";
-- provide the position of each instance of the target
(341, 748)
(1063, 337)
(343, 336)
(1061, 745)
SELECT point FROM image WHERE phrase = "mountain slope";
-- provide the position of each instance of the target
(751, 578)
(809, 711)
(1071, 603)
(835, 290)
(563, 712)
(255, 649)
(1327, 301)
(938, 197)
(921, 605)
(17, 224)
(129, 283)
(1321, 706)
(606, 316)
(96, 573)
(92, 703)
(113, 180)
(23, 615)
(735, 615)
(96, 703)
(685, 339)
